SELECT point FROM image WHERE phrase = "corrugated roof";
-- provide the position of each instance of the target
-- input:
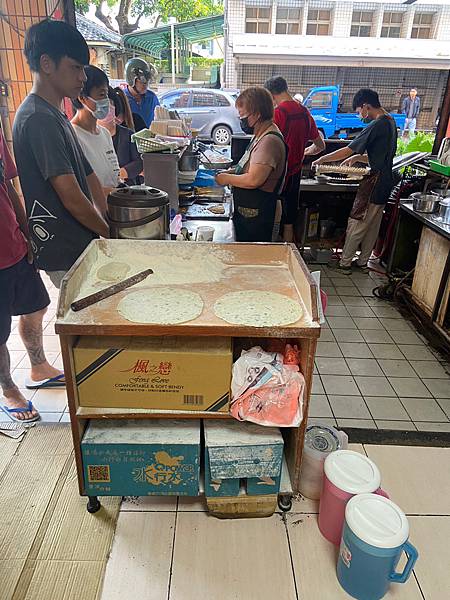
(152, 41)
(92, 32)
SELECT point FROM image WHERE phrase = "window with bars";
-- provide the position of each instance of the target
(319, 22)
(361, 23)
(257, 19)
(422, 26)
(392, 24)
(289, 21)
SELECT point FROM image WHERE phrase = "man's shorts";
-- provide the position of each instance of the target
(22, 292)
(290, 199)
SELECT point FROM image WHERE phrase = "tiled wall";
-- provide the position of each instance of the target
(15, 18)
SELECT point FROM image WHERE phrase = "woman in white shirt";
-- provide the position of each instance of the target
(93, 105)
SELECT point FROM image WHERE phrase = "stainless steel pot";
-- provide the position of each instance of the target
(189, 162)
(425, 203)
(444, 211)
(139, 213)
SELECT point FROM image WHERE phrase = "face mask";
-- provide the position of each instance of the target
(365, 119)
(245, 126)
(101, 108)
(110, 117)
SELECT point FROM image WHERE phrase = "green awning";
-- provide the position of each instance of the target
(152, 41)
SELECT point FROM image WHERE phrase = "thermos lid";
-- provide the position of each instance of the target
(320, 440)
(138, 196)
(352, 472)
(377, 521)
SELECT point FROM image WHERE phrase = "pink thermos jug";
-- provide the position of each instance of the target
(346, 473)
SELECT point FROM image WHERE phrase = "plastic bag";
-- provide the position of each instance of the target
(266, 391)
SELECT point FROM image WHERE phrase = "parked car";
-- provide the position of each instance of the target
(212, 111)
(323, 103)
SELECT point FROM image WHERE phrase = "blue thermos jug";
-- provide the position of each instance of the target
(375, 534)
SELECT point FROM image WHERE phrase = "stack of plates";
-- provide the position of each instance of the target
(186, 177)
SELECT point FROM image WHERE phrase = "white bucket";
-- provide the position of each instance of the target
(320, 441)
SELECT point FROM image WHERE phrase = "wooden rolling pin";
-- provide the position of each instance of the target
(109, 291)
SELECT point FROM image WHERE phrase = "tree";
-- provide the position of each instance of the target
(159, 10)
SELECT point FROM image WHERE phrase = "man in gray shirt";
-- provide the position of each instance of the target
(411, 108)
(64, 200)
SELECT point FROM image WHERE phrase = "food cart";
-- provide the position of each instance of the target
(268, 267)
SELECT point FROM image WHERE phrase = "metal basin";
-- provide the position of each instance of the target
(425, 203)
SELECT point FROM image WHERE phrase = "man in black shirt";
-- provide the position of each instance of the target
(374, 146)
(63, 197)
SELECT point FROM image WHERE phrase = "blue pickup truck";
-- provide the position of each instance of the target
(323, 103)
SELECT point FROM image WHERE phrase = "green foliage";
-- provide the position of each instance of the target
(82, 6)
(182, 11)
(188, 9)
(200, 61)
(421, 142)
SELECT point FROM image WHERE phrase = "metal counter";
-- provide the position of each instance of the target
(427, 219)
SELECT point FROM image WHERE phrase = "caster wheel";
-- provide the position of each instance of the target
(285, 503)
(93, 504)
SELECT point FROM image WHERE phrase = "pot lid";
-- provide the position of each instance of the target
(138, 196)
(377, 521)
(352, 472)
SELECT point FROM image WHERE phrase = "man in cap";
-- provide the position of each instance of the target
(142, 100)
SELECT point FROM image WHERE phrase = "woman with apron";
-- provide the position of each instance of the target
(259, 176)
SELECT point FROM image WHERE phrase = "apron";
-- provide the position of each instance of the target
(364, 196)
(254, 210)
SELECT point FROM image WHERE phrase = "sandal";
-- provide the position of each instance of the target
(51, 382)
(28, 408)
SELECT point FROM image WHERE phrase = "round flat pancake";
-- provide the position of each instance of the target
(257, 309)
(113, 271)
(161, 306)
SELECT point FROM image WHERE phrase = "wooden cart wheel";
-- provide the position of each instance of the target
(93, 504)
(285, 503)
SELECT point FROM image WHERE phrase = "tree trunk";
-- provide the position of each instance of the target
(105, 19)
(123, 18)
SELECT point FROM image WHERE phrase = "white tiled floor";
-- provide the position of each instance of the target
(171, 549)
(373, 370)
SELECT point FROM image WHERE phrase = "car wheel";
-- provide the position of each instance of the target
(221, 135)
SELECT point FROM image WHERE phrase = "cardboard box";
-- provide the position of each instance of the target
(170, 373)
(236, 451)
(141, 457)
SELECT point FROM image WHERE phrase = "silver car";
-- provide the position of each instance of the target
(213, 112)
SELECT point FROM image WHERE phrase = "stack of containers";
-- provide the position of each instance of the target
(371, 530)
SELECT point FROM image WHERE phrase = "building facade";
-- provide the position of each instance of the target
(390, 47)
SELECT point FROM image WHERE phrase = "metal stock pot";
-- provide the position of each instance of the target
(139, 212)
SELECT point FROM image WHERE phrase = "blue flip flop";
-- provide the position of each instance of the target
(9, 412)
(51, 382)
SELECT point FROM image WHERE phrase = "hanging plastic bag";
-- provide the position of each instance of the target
(265, 390)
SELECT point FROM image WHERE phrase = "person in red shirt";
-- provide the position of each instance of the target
(298, 128)
(23, 293)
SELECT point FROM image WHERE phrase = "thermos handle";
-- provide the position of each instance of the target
(412, 555)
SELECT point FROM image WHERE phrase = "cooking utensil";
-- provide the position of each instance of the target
(139, 213)
(213, 160)
(109, 291)
(425, 203)
(189, 162)
(444, 211)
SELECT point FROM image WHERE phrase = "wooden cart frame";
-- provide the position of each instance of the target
(304, 333)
